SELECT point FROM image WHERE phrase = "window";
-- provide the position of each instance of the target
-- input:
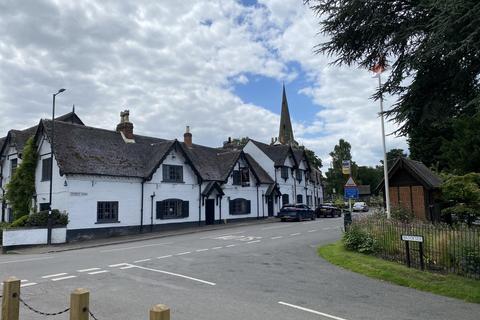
(13, 166)
(107, 211)
(285, 199)
(241, 177)
(284, 173)
(172, 173)
(172, 209)
(44, 206)
(46, 169)
(239, 206)
(309, 200)
(298, 175)
(299, 198)
(237, 180)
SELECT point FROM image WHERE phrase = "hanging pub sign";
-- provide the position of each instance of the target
(346, 167)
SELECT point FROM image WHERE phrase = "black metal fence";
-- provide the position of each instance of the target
(446, 249)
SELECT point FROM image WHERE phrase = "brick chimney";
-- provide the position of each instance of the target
(125, 126)
(187, 137)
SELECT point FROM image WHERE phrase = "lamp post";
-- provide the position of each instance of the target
(49, 232)
(385, 164)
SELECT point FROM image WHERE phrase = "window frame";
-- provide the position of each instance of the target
(46, 169)
(300, 196)
(180, 207)
(285, 199)
(239, 206)
(167, 173)
(13, 168)
(114, 206)
(284, 172)
(299, 175)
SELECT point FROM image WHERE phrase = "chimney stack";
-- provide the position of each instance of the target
(187, 137)
(125, 126)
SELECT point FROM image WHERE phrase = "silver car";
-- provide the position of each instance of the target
(360, 206)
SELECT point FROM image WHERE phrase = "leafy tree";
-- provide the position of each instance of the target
(21, 188)
(369, 175)
(463, 195)
(433, 50)
(312, 158)
(335, 177)
(240, 142)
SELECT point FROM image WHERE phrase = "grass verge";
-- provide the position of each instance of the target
(447, 285)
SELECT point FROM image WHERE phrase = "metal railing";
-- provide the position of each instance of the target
(446, 249)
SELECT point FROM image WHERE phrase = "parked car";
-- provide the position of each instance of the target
(296, 212)
(328, 210)
(360, 206)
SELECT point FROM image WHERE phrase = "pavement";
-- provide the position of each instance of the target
(256, 271)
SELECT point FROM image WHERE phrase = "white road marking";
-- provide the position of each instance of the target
(294, 234)
(118, 265)
(63, 278)
(216, 248)
(97, 272)
(176, 275)
(255, 241)
(143, 260)
(127, 267)
(326, 228)
(222, 235)
(311, 311)
(163, 257)
(231, 246)
(277, 237)
(87, 270)
(183, 253)
(24, 280)
(54, 275)
(311, 230)
(137, 247)
(278, 227)
(25, 260)
(28, 284)
(201, 250)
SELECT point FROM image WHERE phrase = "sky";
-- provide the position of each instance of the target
(217, 66)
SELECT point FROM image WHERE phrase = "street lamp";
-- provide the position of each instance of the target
(49, 233)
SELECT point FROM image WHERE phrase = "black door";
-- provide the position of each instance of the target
(210, 211)
(270, 206)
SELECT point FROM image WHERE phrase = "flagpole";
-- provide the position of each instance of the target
(385, 164)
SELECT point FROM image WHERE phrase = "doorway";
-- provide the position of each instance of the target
(210, 211)
(270, 206)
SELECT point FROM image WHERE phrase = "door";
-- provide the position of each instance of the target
(270, 206)
(210, 211)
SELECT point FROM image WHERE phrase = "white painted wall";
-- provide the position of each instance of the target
(20, 237)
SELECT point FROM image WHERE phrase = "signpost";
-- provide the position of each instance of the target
(412, 238)
(350, 192)
(346, 167)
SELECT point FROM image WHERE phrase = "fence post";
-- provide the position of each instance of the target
(79, 304)
(160, 312)
(11, 299)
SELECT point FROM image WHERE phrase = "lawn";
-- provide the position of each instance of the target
(447, 285)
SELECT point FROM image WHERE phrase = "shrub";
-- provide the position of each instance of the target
(356, 239)
(20, 222)
(402, 214)
(40, 219)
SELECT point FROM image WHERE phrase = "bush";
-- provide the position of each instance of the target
(356, 239)
(40, 219)
(20, 222)
(402, 214)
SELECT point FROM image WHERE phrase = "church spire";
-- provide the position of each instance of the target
(285, 134)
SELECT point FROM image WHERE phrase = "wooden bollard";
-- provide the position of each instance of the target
(79, 304)
(160, 312)
(11, 299)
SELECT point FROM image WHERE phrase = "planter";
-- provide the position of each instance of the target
(34, 236)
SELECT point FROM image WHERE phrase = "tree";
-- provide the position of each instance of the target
(433, 49)
(21, 188)
(312, 158)
(335, 178)
(463, 195)
(392, 155)
(369, 175)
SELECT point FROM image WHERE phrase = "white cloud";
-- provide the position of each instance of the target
(173, 63)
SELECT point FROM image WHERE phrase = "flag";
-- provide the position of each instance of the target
(379, 67)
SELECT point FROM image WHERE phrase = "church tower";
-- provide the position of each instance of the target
(285, 134)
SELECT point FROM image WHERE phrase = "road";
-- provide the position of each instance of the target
(268, 271)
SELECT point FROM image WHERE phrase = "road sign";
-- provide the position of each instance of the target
(406, 237)
(346, 166)
(351, 192)
(350, 183)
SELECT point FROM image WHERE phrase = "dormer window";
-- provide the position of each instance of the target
(284, 172)
(241, 177)
(13, 166)
(298, 175)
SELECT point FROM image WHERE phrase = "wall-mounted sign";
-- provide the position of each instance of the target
(78, 194)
